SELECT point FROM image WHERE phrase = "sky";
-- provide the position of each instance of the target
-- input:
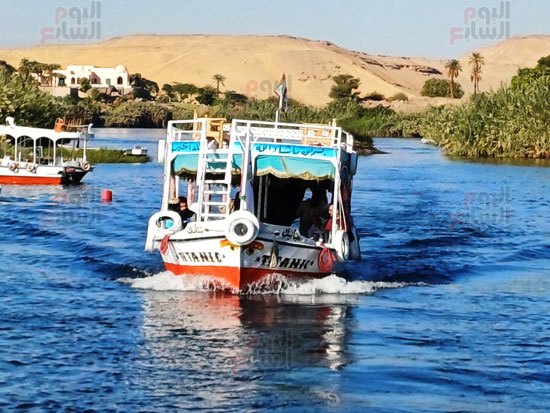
(390, 27)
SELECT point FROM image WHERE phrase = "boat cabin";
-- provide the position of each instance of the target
(283, 173)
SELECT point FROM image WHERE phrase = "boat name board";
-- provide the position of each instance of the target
(286, 262)
(186, 146)
(264, 149)
(279, 149)
(209, 257)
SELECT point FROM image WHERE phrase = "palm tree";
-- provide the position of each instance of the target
(49, 70)
(219, 79)
(476, 61)
(453, 69)
(24, 69)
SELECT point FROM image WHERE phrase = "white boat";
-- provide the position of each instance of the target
(136, 151)
(31, 155)
(264, 168)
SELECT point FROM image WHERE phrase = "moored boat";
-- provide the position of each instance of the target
(136, 151)
(31, 156)
(245, 183)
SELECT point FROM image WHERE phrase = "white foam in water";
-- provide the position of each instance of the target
(336, 285)
(272, 284)
(166, 281)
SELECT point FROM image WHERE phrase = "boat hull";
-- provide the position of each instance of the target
(45, 175)
(242, 267)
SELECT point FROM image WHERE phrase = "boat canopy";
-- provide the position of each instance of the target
(18, 132)
(280, 160)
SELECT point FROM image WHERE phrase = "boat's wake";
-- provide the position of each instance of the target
(272, 284)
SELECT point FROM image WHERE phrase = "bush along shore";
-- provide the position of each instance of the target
(512, 121)
(105, 155)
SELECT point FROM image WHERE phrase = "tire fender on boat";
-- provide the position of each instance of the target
(31, 168)
(242, 228)
(341, 245)
(354, 247)
(14, 167)
(157, 228)
(85, 166)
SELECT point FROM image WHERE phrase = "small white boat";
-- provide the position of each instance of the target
(31, 155)
(245, 191)
(136, 151)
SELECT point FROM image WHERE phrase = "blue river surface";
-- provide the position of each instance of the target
(448, 311)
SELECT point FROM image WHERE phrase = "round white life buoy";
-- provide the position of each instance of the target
(31, 168)
(158, 228)
(341, 245)
(85, 166)
(242, 228)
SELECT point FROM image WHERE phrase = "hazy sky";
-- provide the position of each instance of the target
(392, 27)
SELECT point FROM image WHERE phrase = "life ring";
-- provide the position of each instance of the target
(341, 245)
(157, 228)
(31, 168)
(325, 260)
(242, 228)
(85, 166)
(14, 167)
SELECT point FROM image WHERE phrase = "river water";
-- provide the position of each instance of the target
(447, 311)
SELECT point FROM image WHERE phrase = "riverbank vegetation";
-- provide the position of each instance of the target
(510, 122)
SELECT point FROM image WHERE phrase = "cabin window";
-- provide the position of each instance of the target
(119, 80)
(108, 82)
(73, 81)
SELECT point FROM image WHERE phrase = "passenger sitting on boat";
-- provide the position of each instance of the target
(310, 212)
(180, 206)
(328, 226)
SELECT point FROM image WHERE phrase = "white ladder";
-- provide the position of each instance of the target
(214, 193)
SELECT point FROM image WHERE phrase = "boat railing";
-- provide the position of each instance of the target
(292, 134)
(186, 130)
(266, 132)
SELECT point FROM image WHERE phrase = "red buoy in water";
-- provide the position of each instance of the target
(106, 195)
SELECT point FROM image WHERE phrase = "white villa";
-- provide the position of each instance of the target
(99, 77)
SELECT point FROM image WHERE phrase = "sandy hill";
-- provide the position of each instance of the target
(254, 64)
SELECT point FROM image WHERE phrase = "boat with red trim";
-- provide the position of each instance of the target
(260, 193)
(30, 155)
